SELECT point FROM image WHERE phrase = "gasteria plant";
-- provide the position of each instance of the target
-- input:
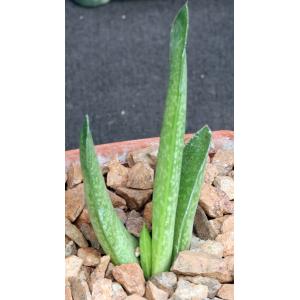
(178, 179)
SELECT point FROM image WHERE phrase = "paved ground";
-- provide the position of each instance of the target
(117, 67)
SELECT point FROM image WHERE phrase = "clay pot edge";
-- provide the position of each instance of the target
(106, 152)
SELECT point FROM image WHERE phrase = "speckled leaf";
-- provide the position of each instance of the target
(167, 178)
(145, 250)
(192, 174)
(115, 240)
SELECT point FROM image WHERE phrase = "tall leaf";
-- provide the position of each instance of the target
(167, 178)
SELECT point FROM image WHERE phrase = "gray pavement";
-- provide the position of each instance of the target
(117, 67)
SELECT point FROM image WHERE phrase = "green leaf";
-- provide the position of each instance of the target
(192, 175)
(167, 178)
(145, 250)
(111, 233)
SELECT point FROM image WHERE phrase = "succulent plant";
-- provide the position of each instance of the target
(178, 179)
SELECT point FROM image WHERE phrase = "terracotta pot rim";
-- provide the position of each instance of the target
(106, 151)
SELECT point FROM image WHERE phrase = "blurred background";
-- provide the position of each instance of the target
(117, 67)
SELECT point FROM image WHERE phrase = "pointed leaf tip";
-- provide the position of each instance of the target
(184, 8)
(86, 126)
(206, 128)
(86, 122)
(183, 13)
(179, 29)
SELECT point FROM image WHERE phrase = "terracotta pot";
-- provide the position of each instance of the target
(221, 139)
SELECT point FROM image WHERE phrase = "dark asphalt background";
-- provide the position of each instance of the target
(117, 67)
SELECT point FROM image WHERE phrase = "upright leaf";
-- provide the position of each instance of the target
(111, 233)
(167, 178)
(192, 174)
(145, 250)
